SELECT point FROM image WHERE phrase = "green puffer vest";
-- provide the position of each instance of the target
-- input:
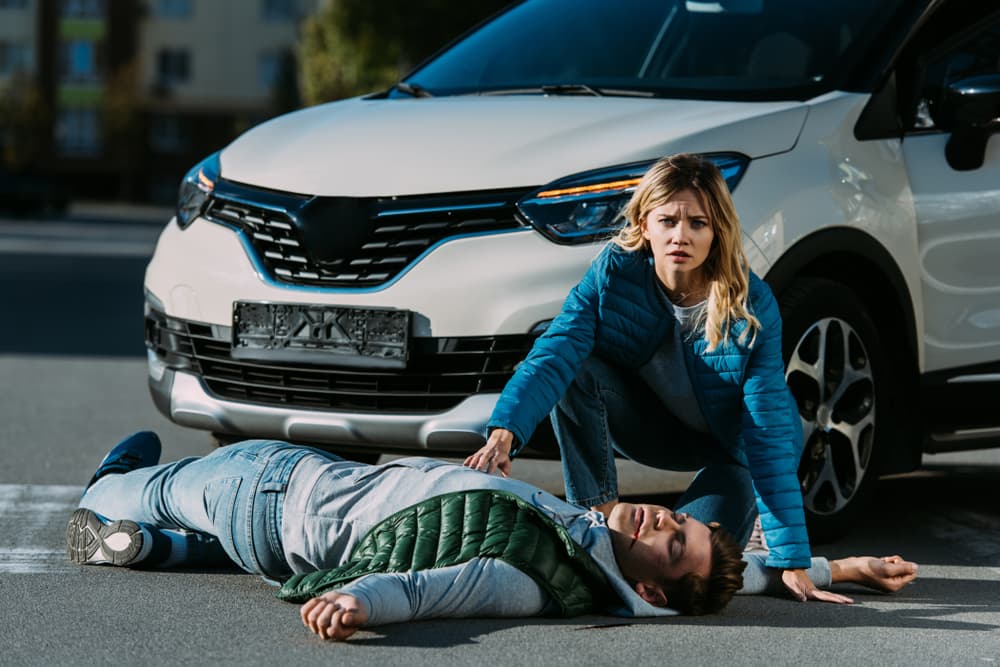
(454, 528)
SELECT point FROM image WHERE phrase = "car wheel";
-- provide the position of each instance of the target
(837, 372)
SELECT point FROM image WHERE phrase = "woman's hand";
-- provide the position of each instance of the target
(802, 588)
(334, 615)
(889, 573)
(495, 454)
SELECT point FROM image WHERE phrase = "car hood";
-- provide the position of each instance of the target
(362, 147)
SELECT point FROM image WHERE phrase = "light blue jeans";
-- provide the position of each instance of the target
(606, 410)
(234, 495)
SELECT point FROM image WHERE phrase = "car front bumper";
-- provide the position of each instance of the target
(184, 399)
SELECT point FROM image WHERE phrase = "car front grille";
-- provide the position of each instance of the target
(440, 373)
(353, 242)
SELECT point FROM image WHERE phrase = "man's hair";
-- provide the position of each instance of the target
(695, 595)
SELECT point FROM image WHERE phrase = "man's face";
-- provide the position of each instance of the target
(653, 546)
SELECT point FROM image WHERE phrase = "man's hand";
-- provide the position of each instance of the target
(889, 573)
(802, 588)
(334, 615)
(495, 454)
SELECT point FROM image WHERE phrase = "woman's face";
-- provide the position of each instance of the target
(680, 237)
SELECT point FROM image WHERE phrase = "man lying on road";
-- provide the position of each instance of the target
(416, 538)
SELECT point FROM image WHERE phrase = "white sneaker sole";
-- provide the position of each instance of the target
(91, 541)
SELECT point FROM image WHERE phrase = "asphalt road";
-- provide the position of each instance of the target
(73, 382)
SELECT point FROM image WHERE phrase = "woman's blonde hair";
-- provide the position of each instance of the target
(726, 267)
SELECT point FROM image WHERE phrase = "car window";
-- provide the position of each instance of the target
(736, 49)
(973, 53)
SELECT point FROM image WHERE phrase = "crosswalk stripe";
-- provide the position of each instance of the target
(32, 523)
(34, 561)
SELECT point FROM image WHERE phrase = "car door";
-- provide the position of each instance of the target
(956, 200)
(957, 210)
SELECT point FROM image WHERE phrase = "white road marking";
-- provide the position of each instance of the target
(32, 527)
(33, 561)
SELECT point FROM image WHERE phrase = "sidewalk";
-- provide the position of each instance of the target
(93, 211)
(87, 229)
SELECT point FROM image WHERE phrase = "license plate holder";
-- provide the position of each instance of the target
(321, 335)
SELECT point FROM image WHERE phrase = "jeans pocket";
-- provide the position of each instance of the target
(220, 505)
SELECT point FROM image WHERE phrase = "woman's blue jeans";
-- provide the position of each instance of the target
(234, 494)
(606, 410)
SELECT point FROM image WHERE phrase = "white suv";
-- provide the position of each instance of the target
(365, 275)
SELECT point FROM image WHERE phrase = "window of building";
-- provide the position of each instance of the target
(172, 66)
(174, 9)
(269, 65)
(83, 9)
(14, 58)
(279, 10)
(78, 132)
(78, 61)
(167, 134)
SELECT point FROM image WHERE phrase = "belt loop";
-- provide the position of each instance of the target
(277, 481)
(273, 487)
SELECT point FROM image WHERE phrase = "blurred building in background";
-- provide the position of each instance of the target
(116, 99)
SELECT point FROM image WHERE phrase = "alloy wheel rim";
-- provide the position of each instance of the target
(830, 376)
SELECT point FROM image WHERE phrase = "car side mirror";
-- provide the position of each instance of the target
(972, 107)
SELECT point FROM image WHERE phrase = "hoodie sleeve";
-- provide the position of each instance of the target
(759, 579)
(482, 587)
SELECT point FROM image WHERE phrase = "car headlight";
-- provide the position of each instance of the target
(195, 189)
(588, 207)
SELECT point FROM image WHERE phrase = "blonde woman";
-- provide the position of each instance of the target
(669, 353)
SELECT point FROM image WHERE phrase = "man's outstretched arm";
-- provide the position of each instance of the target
(334, 615)
(888, 574)
(482, 587)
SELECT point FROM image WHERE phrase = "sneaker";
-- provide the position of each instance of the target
(139, 450)
(93, 540)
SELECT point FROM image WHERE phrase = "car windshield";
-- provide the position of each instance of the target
(718, 49)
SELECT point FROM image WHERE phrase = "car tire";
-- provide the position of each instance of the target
(839, 375)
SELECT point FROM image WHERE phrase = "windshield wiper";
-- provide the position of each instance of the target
(571, 89)
(626, 92)
(413, 89)
(551, 89)
(584, 89)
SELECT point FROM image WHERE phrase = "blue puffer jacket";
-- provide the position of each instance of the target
(615, 313)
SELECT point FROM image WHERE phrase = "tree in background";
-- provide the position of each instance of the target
(285, 94)
(350, 47)
(124, 130)
(25, 122)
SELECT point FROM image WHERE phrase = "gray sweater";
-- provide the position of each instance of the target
(330, 505)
